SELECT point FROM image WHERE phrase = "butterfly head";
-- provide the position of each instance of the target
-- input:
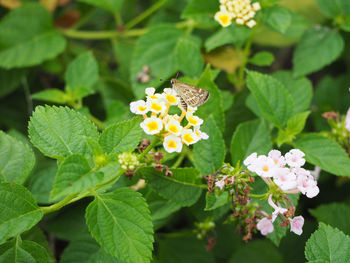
(173, 81)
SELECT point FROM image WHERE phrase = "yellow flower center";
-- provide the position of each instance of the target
(173, 128)
(171, 98)
(171, 144)
(153, 97)
(193, 121)
(188, 138)
(224, 19)
(152, 126)
(156, 107)
(141, 108)
(265, 168)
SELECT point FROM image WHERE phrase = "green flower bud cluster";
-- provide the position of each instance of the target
(128, 161)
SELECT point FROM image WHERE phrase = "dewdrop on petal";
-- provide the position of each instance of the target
(172, 143)
(152, 125)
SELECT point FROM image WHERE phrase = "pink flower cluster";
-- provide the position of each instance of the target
(265, 225)
(285, 171)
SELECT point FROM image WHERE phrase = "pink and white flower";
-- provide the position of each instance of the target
(264, 166)
(250, 162)
(265, 226)
(296, 225)
(347, 120)
(307, 185)
(278, 209)
(277, 157)
(294, 158)
(284, 178)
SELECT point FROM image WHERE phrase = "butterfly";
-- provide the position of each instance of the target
(189, 95)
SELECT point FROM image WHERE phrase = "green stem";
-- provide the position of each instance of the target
(118, 19)
(257, 196)
(190, 156)
(150, 147)
(145, 14)
(246, 54)
(59, 205)
(179, 160)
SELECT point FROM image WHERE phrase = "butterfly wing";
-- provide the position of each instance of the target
(193, 96)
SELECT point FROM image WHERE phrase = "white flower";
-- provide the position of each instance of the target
(277, 157)
(256, 6)
(294, 158)
(284, 178)
(347, 120)
(172, 143)
(138, 107)
(307, 185)
(170, 96)
(224, 18)
(250, 162)
(264, 166)
(250, 23)
(193, 120)
(221, 183)
(278, 209)
(201, 134)
(265, 226)
(152, 125)
(189, 137)
(151, 95)
(156, 106)
(191, 109)
(174, 127)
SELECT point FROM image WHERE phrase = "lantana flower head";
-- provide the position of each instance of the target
(286, 171)
(265, 226)
(242, 12)
(174, 130)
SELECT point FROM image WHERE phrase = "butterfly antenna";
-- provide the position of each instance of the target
(177, 74)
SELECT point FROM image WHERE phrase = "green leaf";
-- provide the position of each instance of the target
(200, 7)
(278, 18)
(295, 125)
(325, 153)
(273, 99)
(41, 183)
(122, 136)
(60, 131)
(16, 160)
(87, 251)
(299, 88)
(183, 188)
(227, 99)
(18, 210)
(165, 50)
(192, 63)
(249, 137)
(318, 47)
(113, 6)
(51, 95)
(335, 215)
(81, 75)
(74, 175)
(233, 34)
(25, 41)
(117, 112)
(184, 250)
(121, 223)
(215, 199)
(214, 105)
(10, 80)
(209, 155)
(257, 251)
(18, 251)
(262, 58)
(334, 8)
(328, 244)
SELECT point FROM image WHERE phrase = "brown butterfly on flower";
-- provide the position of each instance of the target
(189, 95)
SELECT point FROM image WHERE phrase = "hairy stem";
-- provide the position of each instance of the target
(150, 147)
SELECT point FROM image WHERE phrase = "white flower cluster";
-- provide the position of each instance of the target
(241, 11)
(128, 161)
(347, 120)
(285, 170)
(159, 122)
